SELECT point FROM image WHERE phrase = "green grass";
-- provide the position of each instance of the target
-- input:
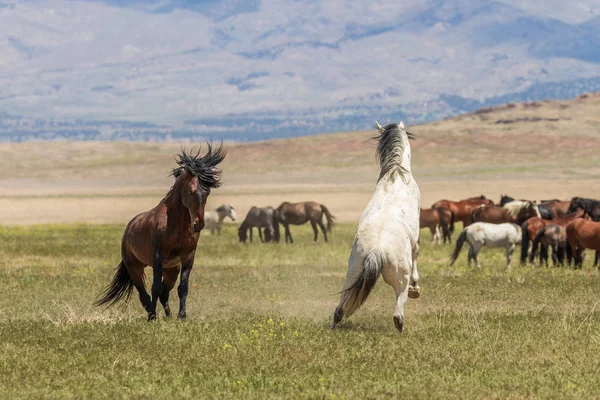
(258, 317)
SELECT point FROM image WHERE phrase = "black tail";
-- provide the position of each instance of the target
(459, 244)
(356, 294)
(524, 242)
(120, 287)
(329, 217)
(535, 243)
(276, 234)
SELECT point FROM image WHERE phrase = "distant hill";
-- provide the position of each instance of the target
(253, 70)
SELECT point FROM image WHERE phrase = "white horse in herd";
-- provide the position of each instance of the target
(481, 234)
(386, 242)
(213, 220)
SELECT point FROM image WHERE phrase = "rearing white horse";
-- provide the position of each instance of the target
(386, 242)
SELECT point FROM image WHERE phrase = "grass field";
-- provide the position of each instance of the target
(258, 317)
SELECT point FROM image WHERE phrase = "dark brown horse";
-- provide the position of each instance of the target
(583, 234)
(463, 209)
(532, 227)
(166, 236)
(558, 207)
(439, 221)
(500, 215)
(301, 213)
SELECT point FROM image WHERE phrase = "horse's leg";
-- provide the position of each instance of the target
(398, 278)
(313, 224)
(554, 254)
(219, 226)
(414, 288)
(323, 229)
(169, 278)
(509, 250)
(251, 229)
(596, 258)
(288, 233)
(543, 255)
(476, 247)
(157, 286)
(136, 272)
(470, 255)
(186, 267)
(260, 235)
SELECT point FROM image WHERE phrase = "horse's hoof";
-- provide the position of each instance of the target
(413, 292)
(152, 317)
(181, 315)
(399, 322)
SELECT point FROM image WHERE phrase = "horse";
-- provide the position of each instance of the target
(557, 207)
(301, 213)
(505, 199)
(532, 227)
(214, 219)
(464, 208)
(583, 234)
(555, 237)
(499, 215)
(166, 236)
(480, 234)
(546, 212)
(440, 222)
(386, 241)
(515, 207)
(263, 217)
(590, 206)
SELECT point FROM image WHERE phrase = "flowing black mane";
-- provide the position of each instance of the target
(205, 167)
(390, 148)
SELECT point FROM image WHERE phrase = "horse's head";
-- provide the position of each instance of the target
(196, 176)
(227, 210)
(576, 202)
(530, 210)
(242, 234)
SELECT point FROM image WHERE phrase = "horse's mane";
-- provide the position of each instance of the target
(390, 148)
(204, 168)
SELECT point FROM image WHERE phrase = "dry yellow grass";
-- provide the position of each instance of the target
(531, 150)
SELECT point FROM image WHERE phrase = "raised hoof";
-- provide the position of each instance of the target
(399, 322)
(413, 292)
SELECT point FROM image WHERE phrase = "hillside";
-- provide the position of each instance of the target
(252, 70)
(533, 150)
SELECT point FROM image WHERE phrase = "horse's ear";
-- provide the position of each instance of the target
(401, 125)
(379, 127)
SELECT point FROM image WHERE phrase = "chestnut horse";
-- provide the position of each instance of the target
(301, 213)
(440, 222)
(532, 227)
(166, 236)
(500, 215)
(583, 234)
(463, 209)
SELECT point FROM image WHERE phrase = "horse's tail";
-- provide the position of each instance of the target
(329, 217)
(356, 294)
(276, 234)
(524, 241)
(120, 287)
(452, 220)
(459, 244)
(535, 243)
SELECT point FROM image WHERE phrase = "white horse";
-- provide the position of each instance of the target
(213, 220)
(386, 242)
(481, 234)
(514, 207)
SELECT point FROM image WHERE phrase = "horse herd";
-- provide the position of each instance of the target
(267, 220)
(565, 227)
(386, 242)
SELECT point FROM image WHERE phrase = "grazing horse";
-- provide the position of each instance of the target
(166, 236)
(590, 206)
(301, 213)
(499, 215)
(555, 237)
(386, 241)
(463, 209)
(263, 217)
(214, 219)
(583, 234)
(532, 227)
(480, 234)
(440, 222)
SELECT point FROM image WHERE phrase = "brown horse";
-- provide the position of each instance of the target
(463, 209)
(301, 213)
(166, 236)
(500, 215)
(583, 234)
(532, 227)
(437, 219)
(555, 237)
(559, 208)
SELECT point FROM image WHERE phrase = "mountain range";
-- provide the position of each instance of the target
(258, 69)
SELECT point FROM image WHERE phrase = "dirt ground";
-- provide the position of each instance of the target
(535, 150)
